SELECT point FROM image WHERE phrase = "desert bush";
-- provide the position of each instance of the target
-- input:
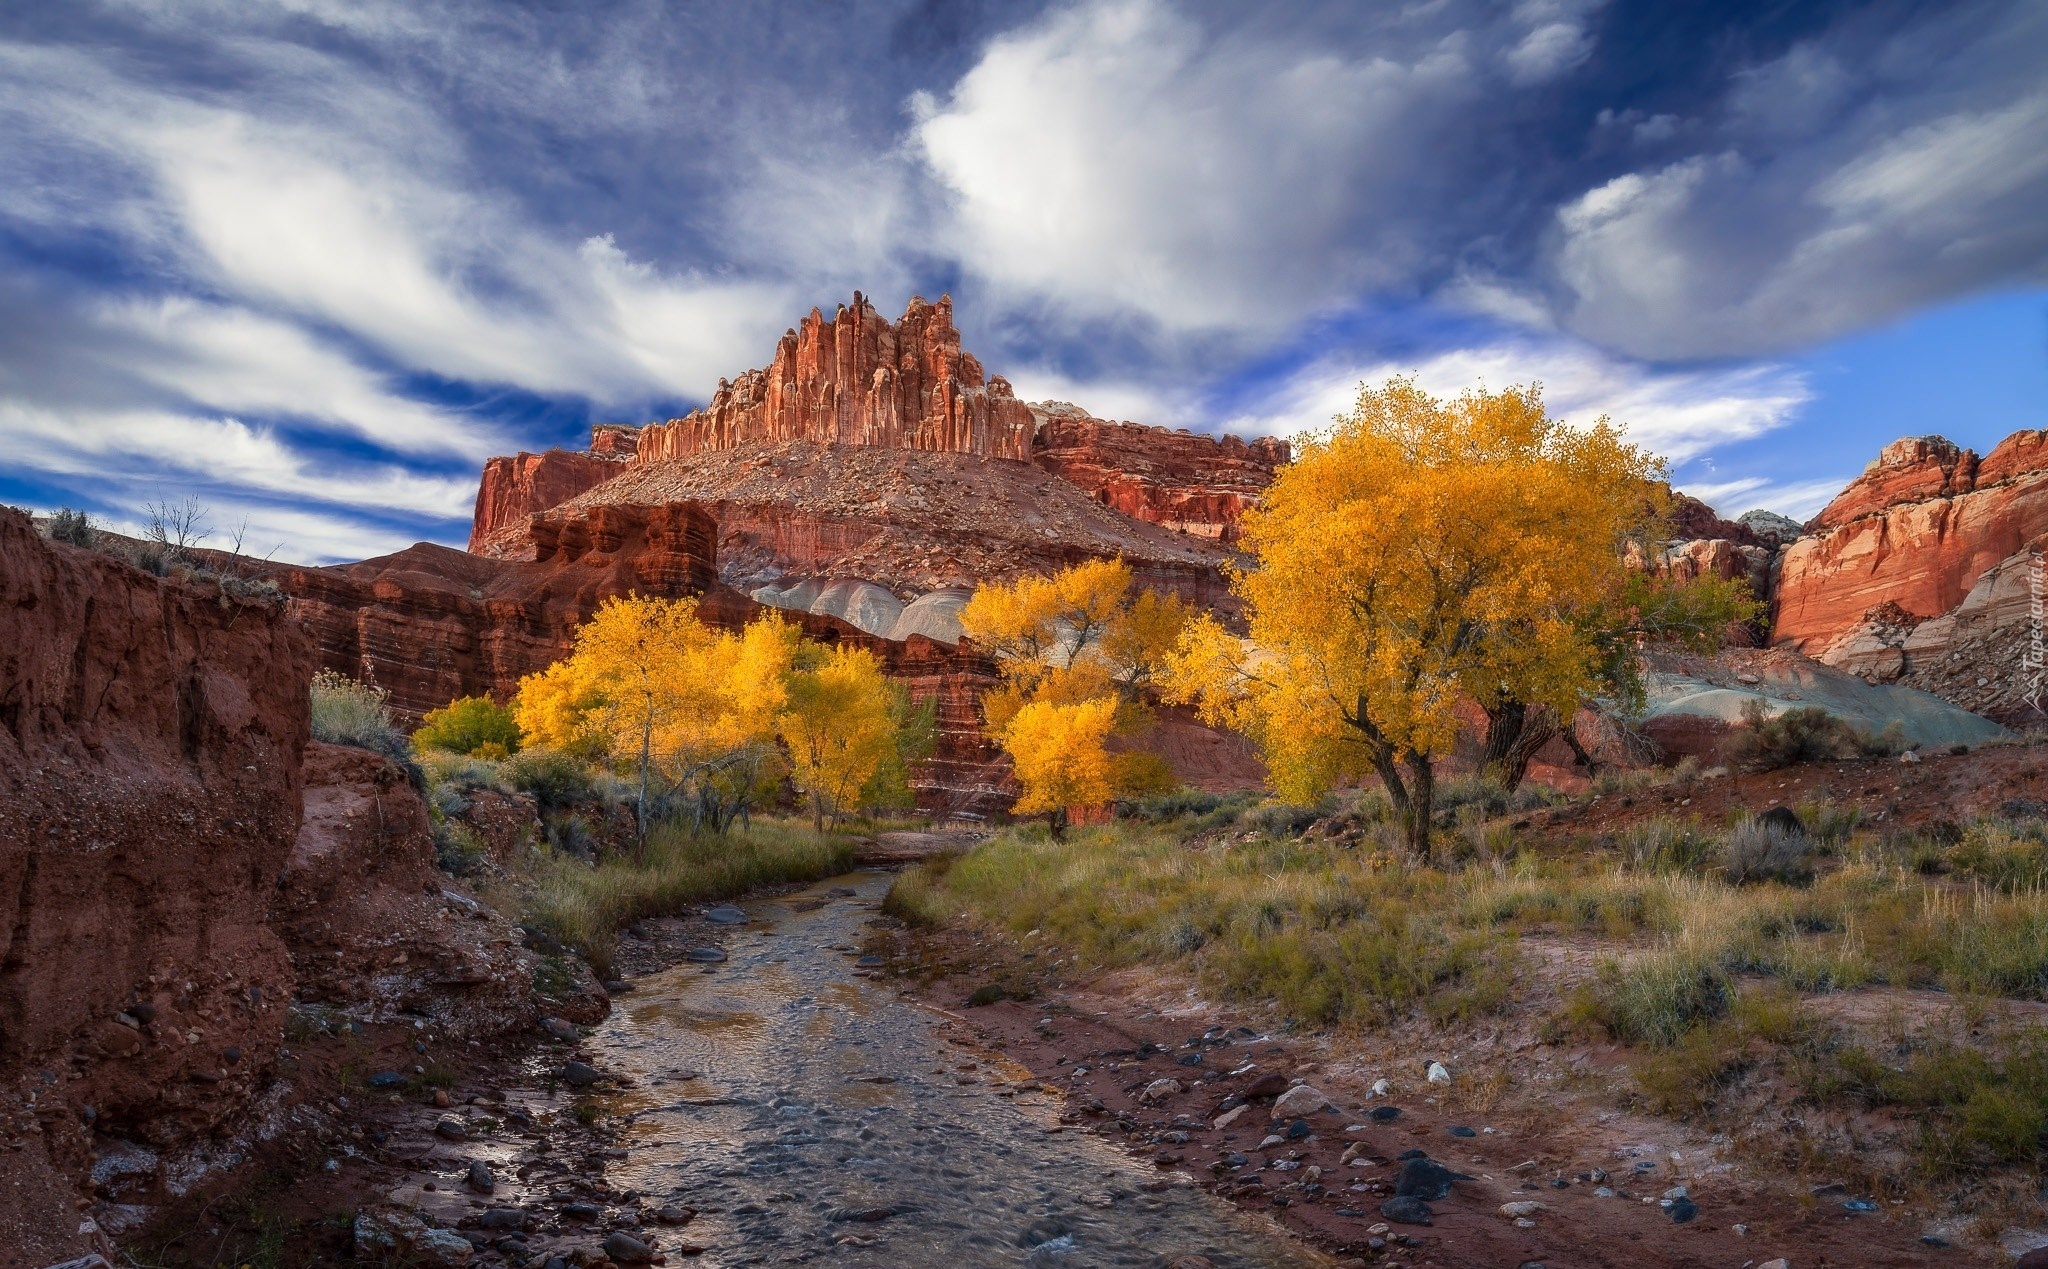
(1657, 997)
(1757, 850)
(2003, 855)
(915, 897)
(1283, 819)
(1662, 845)
(474, 725)
(1805, 734)
(1206, 810)
(346, 712)
(74, 528)
(555, 779)
(458, 848)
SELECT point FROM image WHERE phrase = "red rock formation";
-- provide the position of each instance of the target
(366, 914)
(1917, 529)
(859, 380)
(1909, 541)
(514, 489)
(1194, 484)
(430, 624)
(150, 741)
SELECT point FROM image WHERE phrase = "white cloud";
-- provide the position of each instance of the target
(1836, 199)
(1800, 499)
(1548, 52)
(1675, 413)
(126, 452)
(1115, 159)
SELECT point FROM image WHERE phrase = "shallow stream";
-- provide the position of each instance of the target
(810, 1112)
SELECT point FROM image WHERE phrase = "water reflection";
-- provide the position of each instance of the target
(811, 1114)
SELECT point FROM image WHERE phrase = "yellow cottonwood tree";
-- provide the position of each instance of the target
(650, 683)
(1084, 636)
(1060, 754)
(1424, 550)
(845, 727)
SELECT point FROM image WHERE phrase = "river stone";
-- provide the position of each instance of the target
(442, 1247)
(1161, 1088)
(387, 1079)
(705, 955)
(675, 1215)
(1523, 1208)
(560, 1029)
(870, 962)
(725, 914)
(1302, 1099)
(502, 1218)
(480, 1178)
(865, 1215)
(1229, 1117)
(1406, 1211)
(1424, 1178)
(451, 1130)
(1683, 1210)
(1384, 1114)
(586, 1213)
(581, 1074)
(626, 1249)
(1271, 1084)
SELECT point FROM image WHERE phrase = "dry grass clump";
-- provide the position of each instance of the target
(583, 905)
(1329, 934)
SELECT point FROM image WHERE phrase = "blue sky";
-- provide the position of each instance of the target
(310, 261)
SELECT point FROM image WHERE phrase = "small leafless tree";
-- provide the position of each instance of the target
(176, 529)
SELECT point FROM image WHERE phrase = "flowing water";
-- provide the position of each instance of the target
(811, 1113)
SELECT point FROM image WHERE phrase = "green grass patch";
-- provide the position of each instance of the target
(584, 905)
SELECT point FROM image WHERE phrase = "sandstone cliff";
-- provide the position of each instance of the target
(515, 488)
(1195, 484)
(150, 743)
(1918, 571)
(859, 379)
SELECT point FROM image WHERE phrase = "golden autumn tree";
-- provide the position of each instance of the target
(650, 684)
(851, 733)
(1426, 550)
(1078, 650)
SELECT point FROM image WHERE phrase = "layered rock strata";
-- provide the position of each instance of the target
(1919, 572)
(859, 379)
(515, 488)
(1194, 484)
(150, 742)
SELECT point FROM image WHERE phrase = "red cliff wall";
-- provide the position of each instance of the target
(1195, 484)
(516, 487)
(859, 380)
(150, 742)
(1916, 529)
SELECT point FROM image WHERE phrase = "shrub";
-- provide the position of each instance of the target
(1805, 734)
(469, 725)
(458, 848)
(1757, 850)
(73, 527)
(2008, 857)
(1282, 819)
(1660, 845)
(555, 779)
(1658, 997)
(346, 712)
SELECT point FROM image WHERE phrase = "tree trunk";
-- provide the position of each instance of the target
(1514, 732)
(1059, 824)
(646, 754)
(1421, 802)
